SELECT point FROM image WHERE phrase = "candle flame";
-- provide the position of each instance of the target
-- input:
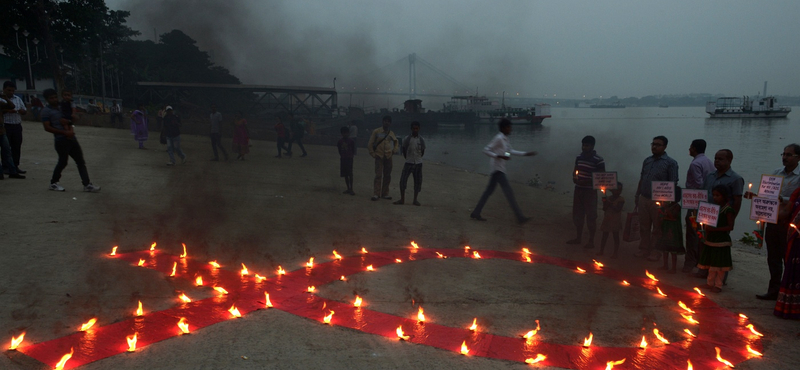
(530, 334)
(131, 342)
(474, 324)
(696, 289)
(234, 311)
(336, 255)
(398, 260)
(88, 324)
(184, 251)
(400, 333)
(741, 315)
(16, 341)
(753, 330)
(660, 292)
(327, 319)
(310, 262)
(464, 349)
(141, 262)
(720, 359)
(598, 264)
(689, 365)
(267, 303)
(476, 255)
(413, 244)
(214, 264)
(370, 268)
(174, 268)
(184, 298)
(537, 326)
(759, 354)
(440, 255)
(588, 341)
(526, 251)
(139, 311)
(420, 315)
(153, 246)
(114, 250)
(643, 343)
(364, 250)
(64, 359)
(183, 325)
(650, 275)
(281, 271)
(687, 309)
(610, 364)
(687, 331)
(625, 283)
(689, 318)
(198, 281)
(244, 271)
(311, 289)
(343, 278)
(580, 270)
(539, 358)
(260, 278)
(658, 204)
(603, 190)
(221, 290)
(466, 248)
(660, 337)
(528, 259)
(357, 302)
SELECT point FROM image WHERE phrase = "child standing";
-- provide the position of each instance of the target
(612, 219)
(347, 149)
(670, 242)
(716, 253)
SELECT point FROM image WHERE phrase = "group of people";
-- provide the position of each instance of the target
(706, 248)
(286, 137)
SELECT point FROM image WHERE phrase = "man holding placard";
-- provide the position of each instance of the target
(775, 234)
(584, 200)
(700, 167)
(657, 167)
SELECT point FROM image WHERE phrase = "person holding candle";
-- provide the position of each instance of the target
(716, 253)
(612, 219)
(788, 304)
(657, 167)
(584, 200)
(699, 169)
(670, 241)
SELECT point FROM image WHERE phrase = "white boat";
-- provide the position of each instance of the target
(489, 111)
(744, 107)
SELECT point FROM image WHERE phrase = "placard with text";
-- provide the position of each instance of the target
(770, 186)
(764, 210)
(663, 191)
(708, 214)
(604, 180)
(691, 198)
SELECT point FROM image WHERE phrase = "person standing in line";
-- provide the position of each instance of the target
(612, 219)
(413, 149)
(787, 305)
(241, 138)
(116, 112)
(297, 132)
(699, 169)
(6, 159)
(499, 150)
(216, 138)
(775, 234)
(172, 132)
(139, 125)
(65, 143)
(670, 240)
(347, 150)
(715, 255)
(13, 122)
(584, 200)
(657, 167)
(280, 134)
(382, 146)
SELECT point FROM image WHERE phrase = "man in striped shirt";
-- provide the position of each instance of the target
(584, 200)
(657, 167)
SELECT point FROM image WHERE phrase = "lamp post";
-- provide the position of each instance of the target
(31, 85)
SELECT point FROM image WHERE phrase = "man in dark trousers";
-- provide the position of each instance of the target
(298, 131)
(699, 169)
(657, 167)
(216, 138)
(413, 149)
(584, 200)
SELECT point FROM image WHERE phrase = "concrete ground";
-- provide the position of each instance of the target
(268, 212)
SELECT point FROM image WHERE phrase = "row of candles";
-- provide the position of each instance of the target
(183, 325)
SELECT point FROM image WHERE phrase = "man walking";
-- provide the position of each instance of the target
(413, 149)
(298, 131)
(775, 234)
(657, 167)
(499, 150)
(699, 169)
(382, 145)
(216, 137)
(13, 122)
(584, 200)
(172, 132)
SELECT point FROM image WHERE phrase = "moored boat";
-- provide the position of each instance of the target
(744, 107)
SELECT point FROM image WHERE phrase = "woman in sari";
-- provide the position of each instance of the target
(788, 304)
(139, 125)
(241, 139)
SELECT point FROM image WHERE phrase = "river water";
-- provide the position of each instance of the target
(623, 140)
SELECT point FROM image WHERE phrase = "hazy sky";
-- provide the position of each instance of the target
(567, 47)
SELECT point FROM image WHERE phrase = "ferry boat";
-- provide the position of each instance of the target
(744, 107)
(491, 111)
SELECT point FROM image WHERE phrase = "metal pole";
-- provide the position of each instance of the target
(102, 77)
(31, 84)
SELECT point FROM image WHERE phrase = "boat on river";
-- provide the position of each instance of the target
(610, 105)
(745, 107)
(491, 111)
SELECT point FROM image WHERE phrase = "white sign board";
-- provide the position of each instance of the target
(691, 198)
(770, 186)
(663, 191)
(708, 214)
(604, 180)
(764, 210)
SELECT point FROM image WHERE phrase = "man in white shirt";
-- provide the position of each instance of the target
(499, 150)
(116, 112)
(13, 122)
(413, 149)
